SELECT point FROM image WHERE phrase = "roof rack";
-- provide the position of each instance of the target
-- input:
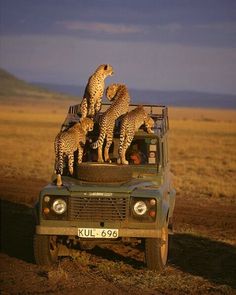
(159, 113)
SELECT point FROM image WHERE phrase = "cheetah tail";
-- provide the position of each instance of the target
(59, 181)
(122, 137)
(59, 168)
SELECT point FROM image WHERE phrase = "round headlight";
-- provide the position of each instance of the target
(59, 206)
(140, 208)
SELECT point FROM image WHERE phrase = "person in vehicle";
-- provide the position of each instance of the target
(137, 158)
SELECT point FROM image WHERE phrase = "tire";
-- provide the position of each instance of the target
(156, 251)
(96, 172)
(45, 249)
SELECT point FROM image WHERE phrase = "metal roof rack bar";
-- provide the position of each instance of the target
(159, 113)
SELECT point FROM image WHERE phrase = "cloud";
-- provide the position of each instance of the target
(204, 34)
(112, 28)
(101, 27)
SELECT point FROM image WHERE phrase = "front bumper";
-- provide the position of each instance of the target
(123, 232)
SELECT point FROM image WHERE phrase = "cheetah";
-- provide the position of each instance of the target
(130, 123)
(119, 95)
(92, 99)
(67, 142)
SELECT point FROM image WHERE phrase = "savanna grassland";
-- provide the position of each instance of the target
(202, 146)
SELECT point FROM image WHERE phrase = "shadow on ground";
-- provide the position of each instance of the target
(212, 260)
(112, 255)
(17, 230)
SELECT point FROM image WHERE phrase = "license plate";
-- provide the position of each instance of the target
(102, 233)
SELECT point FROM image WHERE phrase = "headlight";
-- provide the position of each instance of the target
(59, 206)
(140, 208)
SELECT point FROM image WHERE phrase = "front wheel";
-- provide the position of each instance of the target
(45, 249)
(156, 250)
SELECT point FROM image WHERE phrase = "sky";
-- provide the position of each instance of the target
(151, 44)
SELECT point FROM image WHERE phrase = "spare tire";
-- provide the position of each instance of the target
(96, 172)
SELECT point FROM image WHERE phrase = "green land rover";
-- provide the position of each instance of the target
(111, 203)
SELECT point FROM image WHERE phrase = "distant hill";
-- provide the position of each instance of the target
(170, 98)
(11, 86)
(186, 98)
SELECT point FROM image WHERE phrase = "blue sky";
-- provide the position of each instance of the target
(152, 44)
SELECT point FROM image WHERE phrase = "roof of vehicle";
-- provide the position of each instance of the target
(159, 113)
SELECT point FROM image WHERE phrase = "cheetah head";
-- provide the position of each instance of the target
(112, 90)
(87, 124)
(106, 70)
(149, 124)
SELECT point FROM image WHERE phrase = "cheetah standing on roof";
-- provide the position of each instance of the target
(91, 102)
(118, 93)
(67, 142)
(130, 123)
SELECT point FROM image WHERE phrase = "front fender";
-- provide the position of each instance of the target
(168, 204)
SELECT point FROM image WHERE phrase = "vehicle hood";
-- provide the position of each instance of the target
(74, 186)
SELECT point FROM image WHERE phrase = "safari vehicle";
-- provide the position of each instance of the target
(111, 203)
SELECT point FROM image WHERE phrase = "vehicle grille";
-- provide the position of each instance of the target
(98, 208)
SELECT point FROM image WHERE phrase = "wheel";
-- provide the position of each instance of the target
(96, 172)
(156, 250)
(45, 249)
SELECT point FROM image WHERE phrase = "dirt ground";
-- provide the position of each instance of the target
(202, 256)
(202, 263)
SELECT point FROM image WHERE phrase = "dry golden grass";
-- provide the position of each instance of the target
(202, 114)
(203, 157)
(202, 149)
(27, 136)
